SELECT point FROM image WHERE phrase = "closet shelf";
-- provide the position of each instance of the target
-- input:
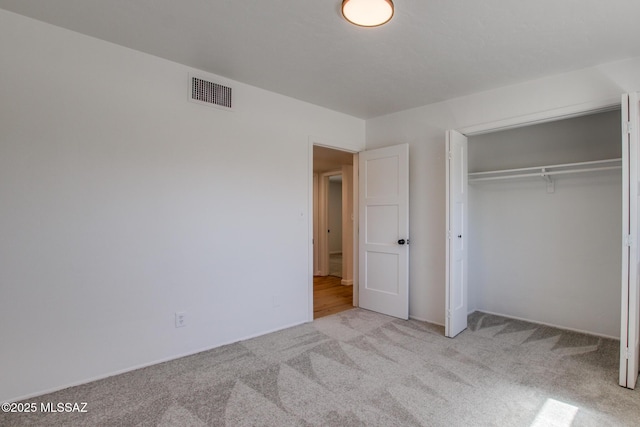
(546, 172)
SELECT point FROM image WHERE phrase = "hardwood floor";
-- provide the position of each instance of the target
(330, 297)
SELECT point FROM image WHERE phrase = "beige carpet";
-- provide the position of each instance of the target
(359, 368)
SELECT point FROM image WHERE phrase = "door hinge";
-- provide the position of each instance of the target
(450, 155)
(626, 353)
(628, 240)
(628, 127)
(449, 234)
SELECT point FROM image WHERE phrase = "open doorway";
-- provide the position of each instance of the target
(333, 222)
(603, 232)
(546, 247)
(334, 229)
(544, 216)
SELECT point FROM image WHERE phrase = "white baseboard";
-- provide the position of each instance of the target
(581, 331)
(425, 320)
(144, 365)
(346, 282)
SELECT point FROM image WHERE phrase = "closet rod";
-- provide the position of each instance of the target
(543, 174)
(566, 165)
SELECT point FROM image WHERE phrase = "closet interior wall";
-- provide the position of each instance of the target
(549, 257)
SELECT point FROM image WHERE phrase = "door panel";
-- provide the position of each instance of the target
(382, 224)
(456, 268)
(383, 177)
(382, 272)
(384, 221)
(630, 304)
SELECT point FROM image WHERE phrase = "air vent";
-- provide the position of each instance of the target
(210, 93)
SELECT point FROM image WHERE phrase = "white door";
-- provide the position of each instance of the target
(384, 230)
(630, 307)
(456, 268)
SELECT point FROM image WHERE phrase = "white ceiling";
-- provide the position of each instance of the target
(432, 50)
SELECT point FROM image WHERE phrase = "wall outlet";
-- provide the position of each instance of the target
(181, 319)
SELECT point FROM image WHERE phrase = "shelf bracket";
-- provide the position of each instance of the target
(551, 185)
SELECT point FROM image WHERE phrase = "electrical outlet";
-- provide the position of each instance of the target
(181, 319)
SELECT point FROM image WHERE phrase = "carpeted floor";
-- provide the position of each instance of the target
(359, 368)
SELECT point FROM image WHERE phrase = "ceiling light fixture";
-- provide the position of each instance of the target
(367, 13)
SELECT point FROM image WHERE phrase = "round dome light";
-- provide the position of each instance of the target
(367, 13)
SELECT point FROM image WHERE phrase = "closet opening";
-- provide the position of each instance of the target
(545, 214)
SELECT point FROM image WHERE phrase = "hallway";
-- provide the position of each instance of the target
(330, 296)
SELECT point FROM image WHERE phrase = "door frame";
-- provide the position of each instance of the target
(542, 117)
(630, 193)
(545, 116)
(322, 205)
(537, 118)
(323, 221)
(314, 184)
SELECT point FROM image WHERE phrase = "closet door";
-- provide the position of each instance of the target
(456, 269)
(630, 305)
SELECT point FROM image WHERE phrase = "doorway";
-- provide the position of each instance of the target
(333, 221)
(544, 216)
(629, 341)
(376, 248)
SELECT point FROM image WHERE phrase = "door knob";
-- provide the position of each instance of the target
(401, 242)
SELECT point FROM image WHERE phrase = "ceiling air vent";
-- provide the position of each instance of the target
(214, 94)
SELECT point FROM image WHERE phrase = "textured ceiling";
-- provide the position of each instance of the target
(432, 50)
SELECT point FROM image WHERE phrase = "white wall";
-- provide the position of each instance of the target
(123, 203)
(335, 216)
(424, 129)
(117, 210)
(549, 257)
